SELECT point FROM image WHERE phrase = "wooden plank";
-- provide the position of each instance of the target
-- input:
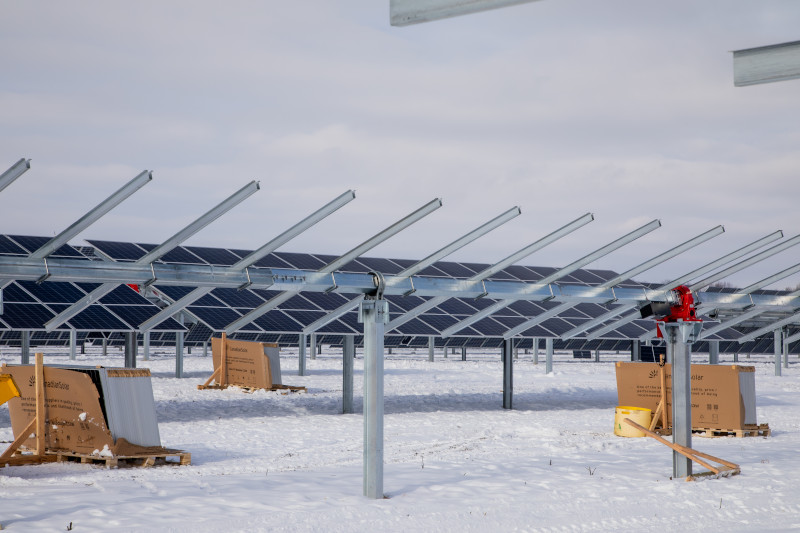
(40, 405)
(22, 437)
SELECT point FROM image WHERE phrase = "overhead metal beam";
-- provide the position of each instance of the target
(159, 251)
(17, 169)
(331, 267)
(421, 265)
(766, 64)
(643, 267)
(252, 258)
(291, 280)
(713, 265)
(575, 265)
(407, 12)
(497, 267)
(142, 179)
(775, 326)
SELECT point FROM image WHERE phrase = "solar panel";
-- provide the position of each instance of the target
(277, 321)
(588, 277)
(384, 266)
(325, 301)
(53, 292)
(214, 256)
(118, 251)
(13, 293)
(31, 244)
(8, 247)
(95, 317)
(416, 327)
(301, 261)
(181, 255)
(25, 315)
(454, 270)
(237, 298)
(454, 306)
(215, 317)
(123, 295)
(272, 261)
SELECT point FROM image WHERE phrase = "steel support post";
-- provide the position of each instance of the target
(312, 345)
(597, 355)
(516, 352)
(736, 357)
(431, 347)
(146, 345)
(73, 344)
(179, 348)
(301, 355)
(679, 337)
(636, 350)
(548, 346)
(535, 351)
(25, 341)
(83, 347)
(777, 350)
(508, 373)
(130, 349)
(713, 352)
(785, 347)
(105, 347)
(348, 355)
(374, 314)
(205, 349)
(463, 353)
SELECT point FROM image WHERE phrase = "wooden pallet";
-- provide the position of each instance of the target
(761, 430)
(286, 388)
(172, 457)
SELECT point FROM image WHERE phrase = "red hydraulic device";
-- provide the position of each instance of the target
(679, 307)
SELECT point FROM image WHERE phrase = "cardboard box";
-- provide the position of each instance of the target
(255, 365)
(74, 418)
(723, 396)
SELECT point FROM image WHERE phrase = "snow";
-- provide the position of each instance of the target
(454, 459)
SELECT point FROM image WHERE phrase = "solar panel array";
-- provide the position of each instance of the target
(30, 305)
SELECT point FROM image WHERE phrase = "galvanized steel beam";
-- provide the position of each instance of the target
(17, 169)
(766, 64)
(406, 12)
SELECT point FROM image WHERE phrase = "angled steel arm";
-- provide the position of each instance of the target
(17, 169)
(795, 318)
(744, 250)
(406, 12)
(420, 265)
(572, 267)
(168, 245)
(95, 214)
(497, 267)
(336, 263)
(252, 258)
(657, 260)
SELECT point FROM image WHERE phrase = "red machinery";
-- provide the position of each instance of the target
(679, 307)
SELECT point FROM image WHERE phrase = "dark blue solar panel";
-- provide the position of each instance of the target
(34, 243)
(208, 300)
(199, 333)
(124, 295)
(454, 270)
(305, 317)
(509, 322)
(297, 302)
(432, 271)
(96, 317)
(237, 298)
(175, 292)
(404, 263)
(301, 261)
(634, 329)
(215, 317)
(454, 306)
(384, 266)
(181, 255)
(326, 259)
(584, 310)
(516, 272)
(526, 308)
(214, 256)
(337, 326)
(348, 323)
(273, 261)
(328, 302)
(118, 251)
(53, 292)
(354, 266)
(588, 277)
(13, 293)
(406, 303)
(604, 274)
(541, 272)
(7, 247)
(479, 303)
(135, 315)
(488, 327)
(416, 327)
(25, 316)
(536, 331)
(276, 321)
(440, 322)
(557, 326)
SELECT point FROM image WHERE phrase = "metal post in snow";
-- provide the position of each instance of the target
(508, 372)
(713, 352)
(25, 340)
(431, 347)
(301, 355)
(105, 347)
(548, 346)
(146, 345)
(130, 349)
(179, 348)
(777, 349)
(73, 341)
(463, 353)
(679, 337)
(374, 314)
(348, 355)
(312, 346)
(535, 351)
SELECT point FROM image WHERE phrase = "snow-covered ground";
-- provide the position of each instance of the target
(454, 459)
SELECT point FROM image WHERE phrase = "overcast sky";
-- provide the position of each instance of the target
(625, 109)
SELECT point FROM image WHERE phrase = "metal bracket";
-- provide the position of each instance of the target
(614, 299)
(484, 293)
(243, 286)
(46, 273)
(151, 280)
(334, 287)
(380, 286)
(552, 294)
(413, 290)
